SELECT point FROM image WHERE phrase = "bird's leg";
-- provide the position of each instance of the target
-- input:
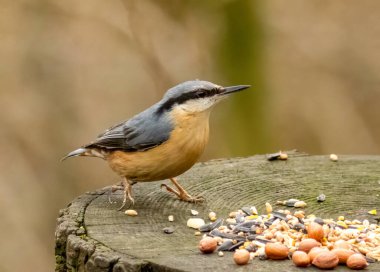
(113, 189)
(127, 185)
(180, 192)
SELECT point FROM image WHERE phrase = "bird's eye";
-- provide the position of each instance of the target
(201, 94)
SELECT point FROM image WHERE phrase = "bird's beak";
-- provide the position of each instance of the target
(233, 89)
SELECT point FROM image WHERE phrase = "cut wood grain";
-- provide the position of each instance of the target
(92, 235)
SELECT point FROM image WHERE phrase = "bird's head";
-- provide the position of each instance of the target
(196, 96)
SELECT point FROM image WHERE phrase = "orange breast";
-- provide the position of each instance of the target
(170, 159)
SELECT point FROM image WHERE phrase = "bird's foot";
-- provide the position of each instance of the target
(113, 189)
(181, 193)
(126, 186)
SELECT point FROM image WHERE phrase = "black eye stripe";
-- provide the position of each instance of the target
(207, 93)
(200, 93)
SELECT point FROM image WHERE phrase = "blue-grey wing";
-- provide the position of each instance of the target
(142, 132)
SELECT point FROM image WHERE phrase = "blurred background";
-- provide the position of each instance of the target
(69, 69)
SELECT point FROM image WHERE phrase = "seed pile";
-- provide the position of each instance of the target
(306, 239)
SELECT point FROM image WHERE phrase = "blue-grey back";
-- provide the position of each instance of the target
(142, 132)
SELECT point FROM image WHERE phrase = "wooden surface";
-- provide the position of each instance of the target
(93, 236)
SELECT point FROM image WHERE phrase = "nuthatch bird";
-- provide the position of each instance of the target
(163, 141)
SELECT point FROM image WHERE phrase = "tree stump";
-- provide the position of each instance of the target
(92, 235)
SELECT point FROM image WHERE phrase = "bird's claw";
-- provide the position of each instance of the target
(113, 189)
(183, 195)
(126, 186)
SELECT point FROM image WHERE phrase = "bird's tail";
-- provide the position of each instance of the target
(85, 152)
